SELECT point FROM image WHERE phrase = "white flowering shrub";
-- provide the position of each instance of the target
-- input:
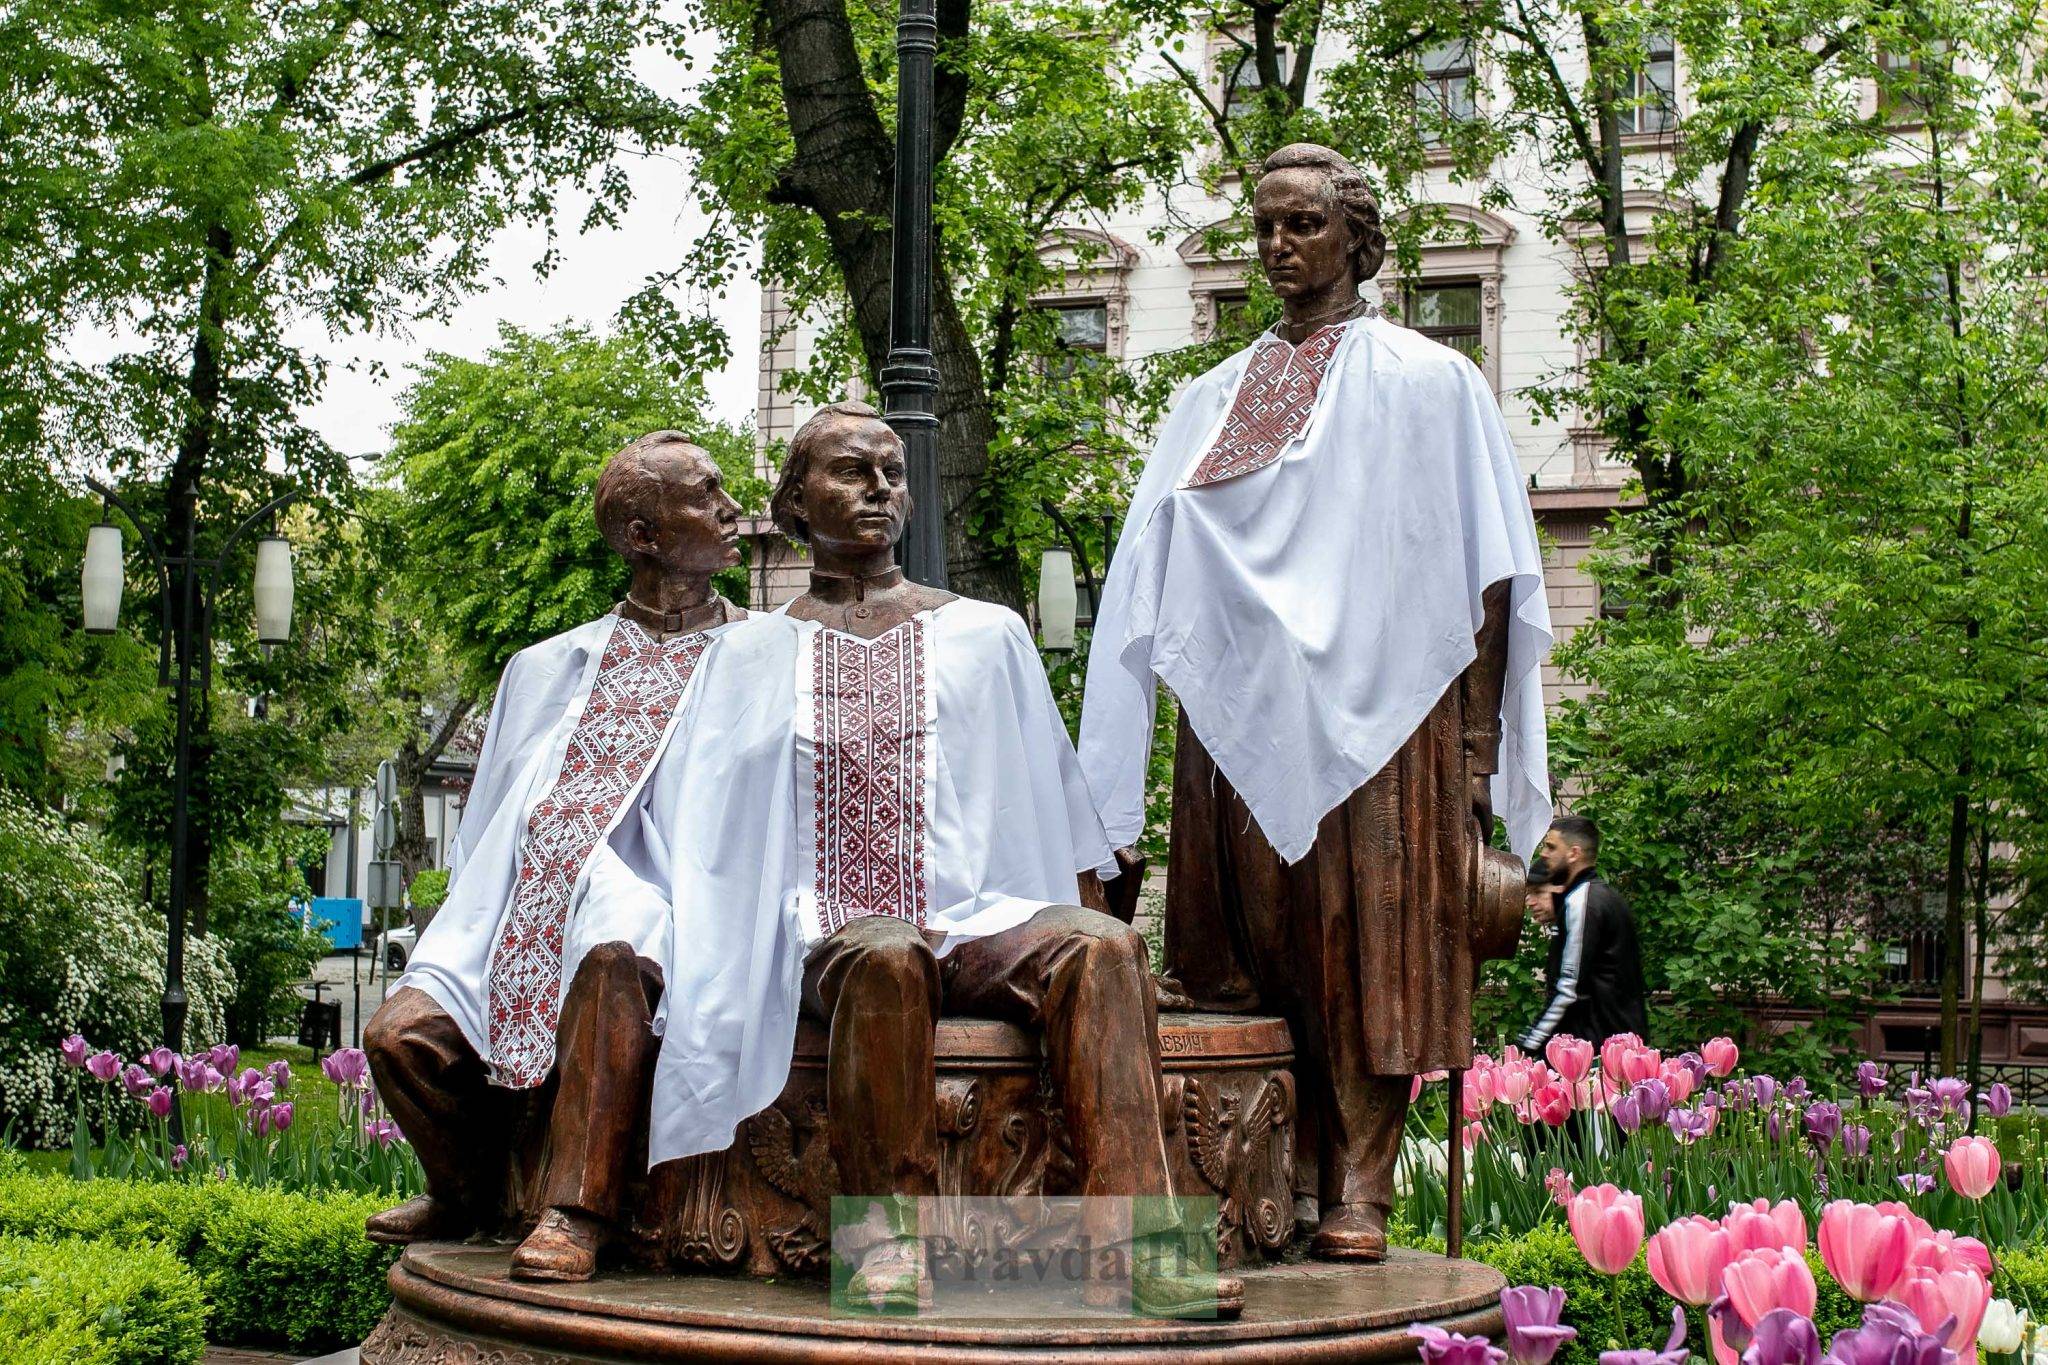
(80, 954)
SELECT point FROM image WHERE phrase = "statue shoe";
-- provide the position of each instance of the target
(1198, 1294)
(1351, 1232)
(421, 1219)
(892, 1278)
(562, 1247)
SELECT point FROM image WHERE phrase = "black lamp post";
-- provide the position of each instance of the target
(187, 632)
(910, 379)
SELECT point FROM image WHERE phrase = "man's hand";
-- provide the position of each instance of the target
(1479, 792)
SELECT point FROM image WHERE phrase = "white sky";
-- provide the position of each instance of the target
(595, 274)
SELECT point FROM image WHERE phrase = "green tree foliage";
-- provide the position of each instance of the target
(1041, 125)
(1839, 625)
(492, 467)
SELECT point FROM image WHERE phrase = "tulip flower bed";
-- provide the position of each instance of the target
(241, 1123)
(268, 1268)
(1643, 1201)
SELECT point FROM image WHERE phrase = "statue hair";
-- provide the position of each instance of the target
(1354, 197)
(803, 448)
(629, 489)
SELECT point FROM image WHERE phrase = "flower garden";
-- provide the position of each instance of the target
(1646, 1209)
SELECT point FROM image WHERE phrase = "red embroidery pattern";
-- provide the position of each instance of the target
(639, 682)
(868, 767)
(1272, 406)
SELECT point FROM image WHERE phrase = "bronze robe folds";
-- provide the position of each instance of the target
(1369, 946)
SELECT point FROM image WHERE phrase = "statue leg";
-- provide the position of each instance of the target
(1363, 1136)
(876, 984)
(438, 1090)
(604, 1058)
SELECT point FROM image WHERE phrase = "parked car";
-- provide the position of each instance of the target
(397, 947)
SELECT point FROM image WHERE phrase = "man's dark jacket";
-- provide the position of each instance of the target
(1595, 972)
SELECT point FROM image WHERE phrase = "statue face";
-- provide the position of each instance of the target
(1304, 243)
(855, 496)
(695, 524)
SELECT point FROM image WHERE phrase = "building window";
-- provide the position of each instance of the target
(1443, 96)
(1652, 103)
(1080, 338)
(1446, 311)
(1242, 85)
(1902, 85)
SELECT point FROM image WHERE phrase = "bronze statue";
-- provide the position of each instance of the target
(480, 1028)
(1077, 975)
(1368, 935)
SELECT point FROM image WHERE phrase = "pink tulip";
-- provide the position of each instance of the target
(1972, 1166)
(159, 1102)
(1760, 1224)
(1569, 1057)
(1513, 1083)
(104, 1066)
(73, 1050)
(1479, 1091)
(1678, 1079)
(1937, 1295)
(1687, 1258)
(1414, 1089)
(1611, 1053)
(1773, 1277)
(1922, 1229)
(1864, 1248)
(1474, 1131)
(136, 1080)
(1944, 1250)
(1640, 1064)
(1607, 1224)
(162, 1061)
(1720, 1055)
(1552, 1104)
(1559, 1183)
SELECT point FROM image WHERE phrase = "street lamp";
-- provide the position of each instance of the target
(187, 632)
(910, 378)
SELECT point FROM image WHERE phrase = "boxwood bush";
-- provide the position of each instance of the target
(275, 1269)
(73, 1302)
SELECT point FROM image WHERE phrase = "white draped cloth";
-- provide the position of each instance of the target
(555, 854)
(817, 777)
(1303, 564)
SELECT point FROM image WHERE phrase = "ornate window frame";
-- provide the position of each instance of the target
(1216, 275)
(1470, 245)
(1091, 267)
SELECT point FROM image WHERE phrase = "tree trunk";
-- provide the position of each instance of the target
(843, 171)
(415, 757)
(1952, 928)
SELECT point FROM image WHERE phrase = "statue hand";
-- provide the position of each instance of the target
(1479, 792)
(1123, 892)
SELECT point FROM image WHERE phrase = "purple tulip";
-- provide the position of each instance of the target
(1696, 1064)
(1734, 1331)
(1626, 1111)
(1856, 1140)
(280, 1116)
(1672, 1354)
(1764, 1088)
(104, 1066)
(1653, 1100)
(1916, 1182)
(348, 1068)
(159, 1102)
(1783, 1337)
(1438, 1347)
(136, 1080)
(383, 1132)
(1823, 1123)
(1774, 1126)
(1534, 1329)
(1796, 1090)
(1891, 1335)
(1997, 1100)
(161, 1061)
(179, 1156)
(73, 1050)
(1870, 1081)
(225, 1058)
(1689, 1125)
(1952, 1093)
(196, 1074)
(279, 1073)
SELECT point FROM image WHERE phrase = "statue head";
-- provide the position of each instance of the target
(844, 486)
(1318, 225)
(662, 504)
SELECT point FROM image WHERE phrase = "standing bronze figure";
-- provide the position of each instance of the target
(1333, 563)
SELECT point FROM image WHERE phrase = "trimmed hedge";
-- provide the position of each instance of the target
(92, 1303)
(275, 1269)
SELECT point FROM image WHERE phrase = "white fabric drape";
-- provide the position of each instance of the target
(1309, 614)
(1009, 825)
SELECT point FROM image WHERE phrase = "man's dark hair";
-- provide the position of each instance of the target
(1354, 198)
(629, 490)
(1580, 833)
(803, 447)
